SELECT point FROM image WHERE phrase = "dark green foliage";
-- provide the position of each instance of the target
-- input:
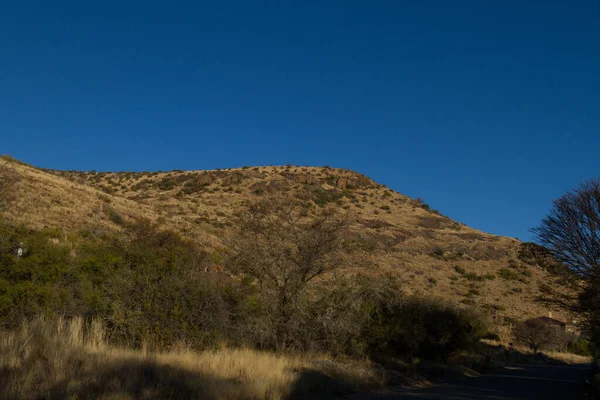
(438, 252)
(172, 181)
(113, 215)
(141, 283)
(29, 285)
(460, 270)
(471, 276)
(194, 186)
(581, 346)
(151, 286)
(424, 328)
(509, 274)
(323, 196)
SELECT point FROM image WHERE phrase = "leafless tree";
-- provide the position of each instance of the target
(285, 249)
(571, 233)
(535, 334)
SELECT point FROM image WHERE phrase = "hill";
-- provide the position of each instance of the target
(430, 253)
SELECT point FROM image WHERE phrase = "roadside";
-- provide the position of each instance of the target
(508, 383)
(490, 372)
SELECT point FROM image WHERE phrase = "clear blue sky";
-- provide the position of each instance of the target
(487, 110)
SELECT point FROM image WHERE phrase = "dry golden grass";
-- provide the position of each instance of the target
(568, 358)
(560, 356)
(69, 359)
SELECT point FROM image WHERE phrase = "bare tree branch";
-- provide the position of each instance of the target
(571, 231)
(281, 245)
(571, 234)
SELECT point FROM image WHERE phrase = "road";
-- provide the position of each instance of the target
(531, 382)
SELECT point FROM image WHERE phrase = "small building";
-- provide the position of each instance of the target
(561, 327)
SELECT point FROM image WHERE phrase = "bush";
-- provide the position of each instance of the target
(149, 285)
(508, 274)
(424, 328)
(580, 346)
(491, 336)
(459, 269)
(537, 335)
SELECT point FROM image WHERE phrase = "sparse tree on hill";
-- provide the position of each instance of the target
(285, 249)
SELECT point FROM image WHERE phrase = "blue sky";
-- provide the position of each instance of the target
(487, 110)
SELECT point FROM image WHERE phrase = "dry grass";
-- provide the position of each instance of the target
(527, 355)
(568, 358)
(69, 359)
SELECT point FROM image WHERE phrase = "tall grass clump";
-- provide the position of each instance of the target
(68, 358)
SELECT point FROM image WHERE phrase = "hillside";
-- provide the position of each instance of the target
(431, 253)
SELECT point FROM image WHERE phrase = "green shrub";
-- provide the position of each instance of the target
(508, 274)
(437, 252)
(580, 346)
(460, 270)
(471, 276)
(424, 328)
(149, 285)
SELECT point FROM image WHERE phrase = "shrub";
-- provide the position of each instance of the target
(491, 336)
(508, 274)
(580, 346)
(471, 276)
(425, 328)
(437, 251)
(112, 215)
(460, 270)
(322, 196)
(535, 334)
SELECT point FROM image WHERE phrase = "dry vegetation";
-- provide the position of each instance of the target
(432, 254)
(202, 267)
(69, 359)
(527, 356)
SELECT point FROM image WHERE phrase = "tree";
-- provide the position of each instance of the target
(285, 249)
(571, 231)
(535, 334)
(571, 234)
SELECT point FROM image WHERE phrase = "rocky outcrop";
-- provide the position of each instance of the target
(340, 183)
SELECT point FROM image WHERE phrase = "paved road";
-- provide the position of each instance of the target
(531, 382)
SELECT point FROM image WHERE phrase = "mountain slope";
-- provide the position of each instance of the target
(432, 254)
